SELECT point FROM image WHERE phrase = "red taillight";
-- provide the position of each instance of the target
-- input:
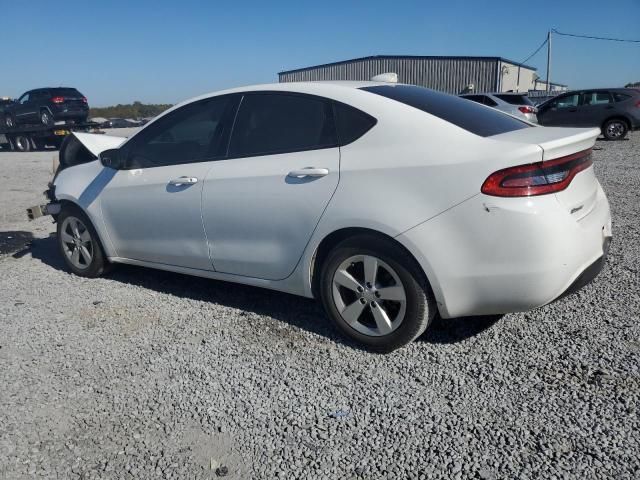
(57, 99)
(527, 109)
(638, 104)
(84, 99)
(537, 178)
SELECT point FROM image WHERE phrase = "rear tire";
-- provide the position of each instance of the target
(615, 129)
(375, 293)
(79, 243)
(46, 118)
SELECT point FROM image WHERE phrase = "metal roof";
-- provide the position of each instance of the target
(376, 57)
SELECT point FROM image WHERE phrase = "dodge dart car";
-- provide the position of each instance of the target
(389, 203)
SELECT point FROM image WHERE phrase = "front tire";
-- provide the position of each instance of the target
(615, 129)
(375, 293)
(79, 243)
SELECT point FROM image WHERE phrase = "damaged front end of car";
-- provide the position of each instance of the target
(76, 149)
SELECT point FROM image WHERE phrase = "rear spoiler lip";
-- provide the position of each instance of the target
(555, 142)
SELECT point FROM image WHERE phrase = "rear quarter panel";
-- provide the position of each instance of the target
(408, 169)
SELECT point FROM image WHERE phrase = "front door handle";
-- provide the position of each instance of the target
(309, 172)
(183, 181)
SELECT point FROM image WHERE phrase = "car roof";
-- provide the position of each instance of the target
(520, 94)
(305, 87)
(320, 88)
(616, 89)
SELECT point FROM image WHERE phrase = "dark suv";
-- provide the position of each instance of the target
(47, 106)
(614, 110)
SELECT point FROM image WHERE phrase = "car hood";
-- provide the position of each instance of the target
(98, 143)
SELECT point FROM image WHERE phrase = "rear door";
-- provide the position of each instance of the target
(262, 204)
(595, 107)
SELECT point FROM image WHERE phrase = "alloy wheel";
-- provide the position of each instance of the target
(76, 242)
(45, 118)
(615, 129)
(369, 295)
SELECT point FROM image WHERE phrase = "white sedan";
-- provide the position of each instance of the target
(390, 203)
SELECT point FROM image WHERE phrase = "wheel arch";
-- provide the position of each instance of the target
(616, 117)
(334, 238)
(67, 202)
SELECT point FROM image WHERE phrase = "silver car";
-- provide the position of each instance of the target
(517, 104)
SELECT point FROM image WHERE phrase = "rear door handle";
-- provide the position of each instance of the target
(309, 172)
(183, 181)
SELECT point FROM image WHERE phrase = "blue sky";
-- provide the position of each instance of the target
(166, 51)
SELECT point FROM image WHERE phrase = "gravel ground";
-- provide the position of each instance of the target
(146, 374)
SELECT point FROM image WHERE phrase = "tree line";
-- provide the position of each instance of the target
(132, 110)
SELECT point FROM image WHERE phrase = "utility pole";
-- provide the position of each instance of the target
(549, 61)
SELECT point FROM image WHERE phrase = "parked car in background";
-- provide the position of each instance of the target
(119, 123)
(47, 106)
(386, 202)
(614, 110)
(517, 104)
(4, 102)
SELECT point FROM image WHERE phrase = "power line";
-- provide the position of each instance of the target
(595, 38)
(537, 50)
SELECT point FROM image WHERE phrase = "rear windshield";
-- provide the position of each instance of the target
(65, 92)
(515, 99)
(471, 116)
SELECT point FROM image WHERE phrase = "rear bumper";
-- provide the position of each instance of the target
(72, 112)
(589, 273)
(492, 255)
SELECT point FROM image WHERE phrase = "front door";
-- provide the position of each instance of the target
(24, 111)
(262, 204)
(152, 209)
(561, 112)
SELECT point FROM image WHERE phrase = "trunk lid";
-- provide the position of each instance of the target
(580, 196)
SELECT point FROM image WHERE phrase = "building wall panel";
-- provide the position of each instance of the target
(449, 75)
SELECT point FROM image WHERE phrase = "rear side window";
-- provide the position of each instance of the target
(351, 123)
(596, 98)
(470, 116)
(515, 99)
(273, 123)
(620, 97)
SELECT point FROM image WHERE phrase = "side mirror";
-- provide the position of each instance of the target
(112, 159)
